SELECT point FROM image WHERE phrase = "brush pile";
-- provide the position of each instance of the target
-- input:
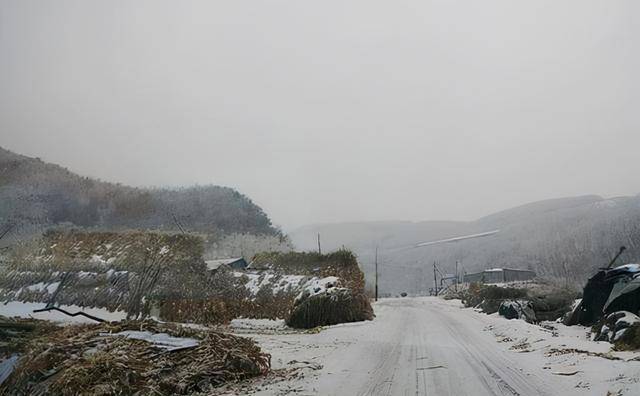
(142, 358)
(16, 333)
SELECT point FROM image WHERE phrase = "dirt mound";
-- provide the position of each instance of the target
(133, 358)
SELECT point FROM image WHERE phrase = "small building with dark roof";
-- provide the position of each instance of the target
(238, 263)
(499, 275)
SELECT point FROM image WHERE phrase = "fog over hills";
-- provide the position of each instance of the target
(564, 239)
(35, 195)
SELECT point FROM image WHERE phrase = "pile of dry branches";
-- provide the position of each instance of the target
(16, 333)
(77, 360)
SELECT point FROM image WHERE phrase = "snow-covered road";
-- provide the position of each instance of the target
(427, 346)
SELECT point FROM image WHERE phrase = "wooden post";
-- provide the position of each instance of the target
(435, 279)
(319, 249)
(456, 276)
(175, 220)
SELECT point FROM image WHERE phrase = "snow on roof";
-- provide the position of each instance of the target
(215, 264)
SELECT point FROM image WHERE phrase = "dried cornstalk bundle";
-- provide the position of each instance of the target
(15, 333)
(337, 305)
(94, 360)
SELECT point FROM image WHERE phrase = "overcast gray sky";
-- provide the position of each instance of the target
(332, 110)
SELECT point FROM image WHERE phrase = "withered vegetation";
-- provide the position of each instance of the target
(84, 360)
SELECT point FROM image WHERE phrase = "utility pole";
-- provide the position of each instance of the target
(456, 276)
(319, 249)
(376, 261)
(175, 220)
(435, 279)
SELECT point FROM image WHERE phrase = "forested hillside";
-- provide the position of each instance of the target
(565, 239)
(35, 194)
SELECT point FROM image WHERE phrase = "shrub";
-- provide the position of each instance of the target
(630, 340)
(489, 297)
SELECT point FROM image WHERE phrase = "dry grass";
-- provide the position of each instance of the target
(630, 340)
(16, 333)
(342, 264)
(78, 360)
(548, 302)
(340, 306)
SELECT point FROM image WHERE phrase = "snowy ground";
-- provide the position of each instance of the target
(25, 310)
(424, 346)
(427, 346)
(261, 326)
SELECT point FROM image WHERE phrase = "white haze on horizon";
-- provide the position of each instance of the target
(332, 111)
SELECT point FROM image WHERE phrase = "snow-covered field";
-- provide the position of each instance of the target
(428, 346)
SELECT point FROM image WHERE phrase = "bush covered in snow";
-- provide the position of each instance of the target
(621, 328)
(489, 297)
(546, 301)
(630, 339)
(517, 309)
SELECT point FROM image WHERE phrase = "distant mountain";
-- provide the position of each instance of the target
(37, 194)
(564, 239)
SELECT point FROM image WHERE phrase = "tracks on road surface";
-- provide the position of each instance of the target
(418, 346)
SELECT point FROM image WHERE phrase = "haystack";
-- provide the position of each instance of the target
(126, 271)
(330, 307)
(330, 287)
(291, 286)
(141, 358)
